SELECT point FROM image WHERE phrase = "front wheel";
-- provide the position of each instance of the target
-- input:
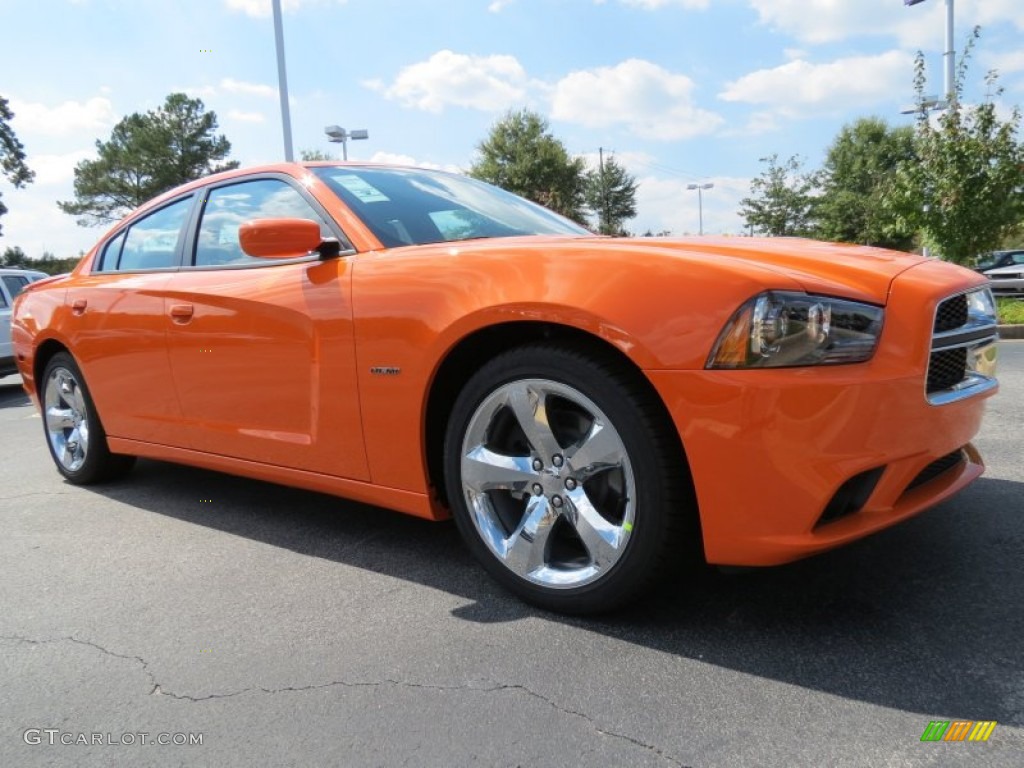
(74, 433)
(564, 479)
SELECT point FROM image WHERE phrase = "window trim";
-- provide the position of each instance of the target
(97, 269)
(192, 240)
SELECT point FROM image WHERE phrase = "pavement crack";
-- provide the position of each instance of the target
(157, 689)
(590, 721)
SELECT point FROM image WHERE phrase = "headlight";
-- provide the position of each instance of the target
(777, 330)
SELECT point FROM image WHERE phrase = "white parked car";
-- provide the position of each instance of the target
(1007, 281)
(12, 282)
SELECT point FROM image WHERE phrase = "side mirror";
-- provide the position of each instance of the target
(279, 238)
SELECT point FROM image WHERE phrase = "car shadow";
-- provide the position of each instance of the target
(12, 395)
(923, 617)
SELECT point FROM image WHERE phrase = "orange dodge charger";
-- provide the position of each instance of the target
(592, 411)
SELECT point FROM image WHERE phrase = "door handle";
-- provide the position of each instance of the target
(182, 312)
(78, 306)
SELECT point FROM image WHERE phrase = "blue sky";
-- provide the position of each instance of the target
(681, 91)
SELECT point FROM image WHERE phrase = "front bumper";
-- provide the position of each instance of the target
(791, 462)
(768, 456)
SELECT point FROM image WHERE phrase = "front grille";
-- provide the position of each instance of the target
(946, 369)
(961, 363)
(937, 468)
(952, 313)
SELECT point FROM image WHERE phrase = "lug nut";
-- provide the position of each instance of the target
(538, 465)
(570, 484)
(556, 501)
(537, 490)
(556, 460)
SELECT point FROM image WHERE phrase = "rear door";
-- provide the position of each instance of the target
(117, 329)
(262, 352)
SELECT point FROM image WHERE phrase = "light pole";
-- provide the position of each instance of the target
(282, 83)
(700, 200)
(338, 135)
(949, 57)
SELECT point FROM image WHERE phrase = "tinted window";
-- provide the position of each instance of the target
(108, 259)
(411, 207)
(152, 242)
(15, 284)
(227, 208)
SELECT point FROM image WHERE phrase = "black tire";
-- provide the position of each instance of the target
(662, 529)
(63, 385)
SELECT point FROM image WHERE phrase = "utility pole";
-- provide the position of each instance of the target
(700, 200)
(282, 83)
(949, 56)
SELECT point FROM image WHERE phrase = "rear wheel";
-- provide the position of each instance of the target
(74, 432)
(563, 480)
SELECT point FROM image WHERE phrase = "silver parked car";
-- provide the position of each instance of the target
(1005, 271)
(12, 282)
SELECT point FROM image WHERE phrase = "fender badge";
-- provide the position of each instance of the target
(385, 370)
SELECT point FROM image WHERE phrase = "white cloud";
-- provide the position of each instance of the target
(650, 101)
(499, 5)
(57, 169)
(666, 204)
(250, 89)
(489, 83)
(1006, 63)
(824, 21)
(262, 8)
(395, 158)
(70, 117)
(246, 117)
(653, 5)
(799, 85)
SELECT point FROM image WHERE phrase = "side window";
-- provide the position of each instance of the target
(227, 208)
(15, 284)
(108, 259)
(152, 242)
(3, 301)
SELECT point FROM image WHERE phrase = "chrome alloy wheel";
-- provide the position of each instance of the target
(548, 483)
(67, 419)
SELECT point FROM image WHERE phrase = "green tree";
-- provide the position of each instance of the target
(51, 265)
(856, 181)
(148, 154)
(610, 192)
(521, 155)
(14, 257)
(963, 189)
(12, 154)
(781, 203)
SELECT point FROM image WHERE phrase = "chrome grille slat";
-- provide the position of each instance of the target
(958, 337)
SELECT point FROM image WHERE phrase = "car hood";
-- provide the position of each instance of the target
(849, 271)
(853, 271)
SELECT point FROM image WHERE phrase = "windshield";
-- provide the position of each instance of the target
(406, 206)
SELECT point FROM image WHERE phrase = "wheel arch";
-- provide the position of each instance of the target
(43, 354)
(480, 346)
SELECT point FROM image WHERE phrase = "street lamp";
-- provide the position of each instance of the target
(338, 135)
(282, 83)
(700, 200)
(949, 57)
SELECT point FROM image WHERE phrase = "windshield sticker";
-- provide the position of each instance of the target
(366, 193)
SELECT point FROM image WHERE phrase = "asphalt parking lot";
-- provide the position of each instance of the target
(289, 628)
